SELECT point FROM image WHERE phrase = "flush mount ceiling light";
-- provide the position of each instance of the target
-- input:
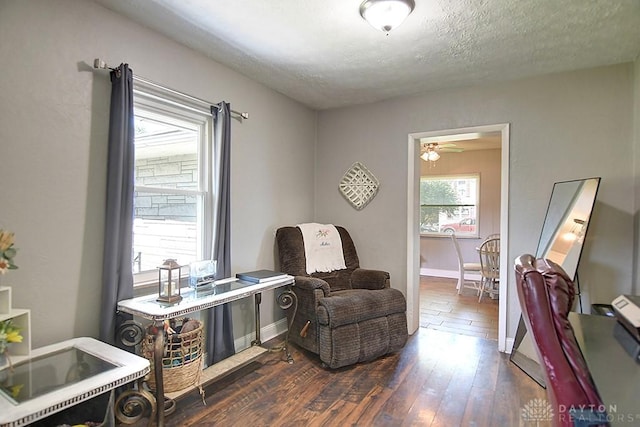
(385, 15)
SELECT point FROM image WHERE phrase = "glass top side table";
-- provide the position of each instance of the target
(194, 300)
(62, 375)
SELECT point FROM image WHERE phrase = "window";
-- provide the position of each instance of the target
(449, 204)
(171, 193)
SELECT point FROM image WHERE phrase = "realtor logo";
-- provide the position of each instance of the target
(536, 410)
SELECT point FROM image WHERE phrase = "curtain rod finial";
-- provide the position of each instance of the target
(99, 63)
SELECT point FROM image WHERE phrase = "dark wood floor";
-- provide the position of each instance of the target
(438, 379)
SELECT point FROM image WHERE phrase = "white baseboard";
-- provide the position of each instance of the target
(450, 274)
(508, 345)
(434, 272)
(280, 327)
(266, 333)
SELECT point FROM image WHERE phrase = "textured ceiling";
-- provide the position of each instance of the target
(323, 54)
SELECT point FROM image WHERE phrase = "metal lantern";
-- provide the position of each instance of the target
(169, 282)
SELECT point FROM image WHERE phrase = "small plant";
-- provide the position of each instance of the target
(9, 333)
(7, 251)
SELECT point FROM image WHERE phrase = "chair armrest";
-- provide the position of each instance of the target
(363, 278)
(311, 283)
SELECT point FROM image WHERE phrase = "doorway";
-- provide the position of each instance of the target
(413, 221)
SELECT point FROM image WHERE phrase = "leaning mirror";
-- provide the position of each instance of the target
(561, 240)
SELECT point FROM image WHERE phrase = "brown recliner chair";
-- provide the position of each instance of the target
(546, 297)
(345, 316)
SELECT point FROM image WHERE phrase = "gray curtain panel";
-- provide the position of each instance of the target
(117, 277)
(219, 340)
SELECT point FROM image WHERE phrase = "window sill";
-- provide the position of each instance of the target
(145, 288)
(448, 235)
(150, 286)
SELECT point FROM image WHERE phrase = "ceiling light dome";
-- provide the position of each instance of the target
(385, 15)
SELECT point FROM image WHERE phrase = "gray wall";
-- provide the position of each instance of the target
(562, 126)
(54, 111)
(636, 158)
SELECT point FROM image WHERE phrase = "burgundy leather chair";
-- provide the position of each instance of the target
(546, 297)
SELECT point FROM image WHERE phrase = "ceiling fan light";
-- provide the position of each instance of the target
(433, 156)
(425, 156)
(385, 15)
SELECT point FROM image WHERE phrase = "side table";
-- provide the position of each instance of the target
(194, 300)
(62, 375)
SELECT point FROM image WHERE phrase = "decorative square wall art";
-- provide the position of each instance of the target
(359, 186)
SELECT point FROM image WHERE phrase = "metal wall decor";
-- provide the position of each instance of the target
(359, 186)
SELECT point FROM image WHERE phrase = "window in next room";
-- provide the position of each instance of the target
(449, 204)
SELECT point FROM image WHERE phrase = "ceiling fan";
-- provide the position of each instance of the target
(430, 150)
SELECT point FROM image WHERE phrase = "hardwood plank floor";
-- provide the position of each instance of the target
(438, 379)
(441, 308)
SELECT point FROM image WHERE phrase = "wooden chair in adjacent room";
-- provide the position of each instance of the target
(465, 269)
(489, 252)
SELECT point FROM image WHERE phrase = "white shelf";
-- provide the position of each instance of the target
(5, 299)
(22, 319)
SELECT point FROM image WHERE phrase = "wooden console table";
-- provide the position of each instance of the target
(224, 291)
(63, 375)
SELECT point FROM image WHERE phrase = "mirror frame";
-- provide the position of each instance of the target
(529, 365)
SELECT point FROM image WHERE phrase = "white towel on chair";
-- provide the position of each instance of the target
(322, 247)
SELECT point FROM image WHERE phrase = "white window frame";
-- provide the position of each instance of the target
(454, 177)
(149, 101)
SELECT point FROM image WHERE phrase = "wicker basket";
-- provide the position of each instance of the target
(181, 362)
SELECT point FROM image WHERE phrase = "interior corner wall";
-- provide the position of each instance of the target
(54, 113)
(636, 157)
(560, 125)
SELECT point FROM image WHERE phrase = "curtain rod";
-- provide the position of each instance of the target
(101, 65)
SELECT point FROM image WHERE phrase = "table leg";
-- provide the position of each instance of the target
(286, 300)
(258, 300)
(133, 404)
(157, 366)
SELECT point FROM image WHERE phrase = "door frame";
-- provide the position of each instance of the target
(413, 224)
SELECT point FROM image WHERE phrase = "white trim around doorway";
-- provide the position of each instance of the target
(413, 233)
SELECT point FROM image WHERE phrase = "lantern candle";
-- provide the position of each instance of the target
(169, 282)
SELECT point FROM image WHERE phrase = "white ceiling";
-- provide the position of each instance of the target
(465, 142)
(323, 54)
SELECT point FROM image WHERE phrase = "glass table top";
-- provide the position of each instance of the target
(196, 299)
(196, 294)
(50, 372)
